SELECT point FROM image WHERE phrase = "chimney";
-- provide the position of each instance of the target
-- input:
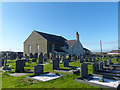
(77, 36)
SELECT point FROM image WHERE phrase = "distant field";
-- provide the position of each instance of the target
(68, 81)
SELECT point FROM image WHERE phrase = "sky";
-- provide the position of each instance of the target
(94, 21)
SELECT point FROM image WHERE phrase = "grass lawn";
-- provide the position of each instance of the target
(67, 81)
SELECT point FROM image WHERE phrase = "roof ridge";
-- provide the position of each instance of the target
(47, 33)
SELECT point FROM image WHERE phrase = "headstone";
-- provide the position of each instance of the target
(117, 59)
(31, 55)
(94, 59)
(19, 67)
(81, 60)
(2, 61)
(70, 56)
(41, 58)
(27, 58)
(95, 67)
(33, 60)
(73, 58)
(79, 56)
(105, 62)
(38, 69)
(36, 55)
(90, 59)
(65, 63)
(63, 58)
(55, 63)
(45, 57)
(5, 67)
(87, 60)
(101, 65)
(110, 61)
(84, 70)
(68, 59)
(19, 56)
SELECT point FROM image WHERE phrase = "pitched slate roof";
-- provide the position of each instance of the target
(71, 42)
(53, 38)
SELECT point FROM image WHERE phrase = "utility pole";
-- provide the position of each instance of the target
(101, 47)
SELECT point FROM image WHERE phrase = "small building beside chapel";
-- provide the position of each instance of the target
(39, 42)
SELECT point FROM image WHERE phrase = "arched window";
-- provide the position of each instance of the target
(38, 48)
(29, 47)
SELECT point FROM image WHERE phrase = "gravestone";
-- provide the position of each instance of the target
(110, 61)
(27, 58)
(90, 59)
(19, 56)
(105, 62)
(73, 58)
(55, 63)
(62, 58)
(81, 60)
(87, 60)
(95, 67)
(38, 69)
(19, 67)
(2, 61)
(41, 58)
(5, 67)
(84, 70)
(65, 63)
(93, 59)
(31, 55)
(101, 65)
(36, 55)
(33, 60)
(79, 56)
(117, 59)
(45, 57)
(68, 59)
(70, 56)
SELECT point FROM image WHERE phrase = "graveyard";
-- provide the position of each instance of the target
(55, 72)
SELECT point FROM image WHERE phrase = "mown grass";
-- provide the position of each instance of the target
(67, 81)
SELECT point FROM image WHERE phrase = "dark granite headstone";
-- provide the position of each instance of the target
(101, 65)
(36, 55)
(27, 58)
(105, 62)
(110, 62)
(33, 60)
(117, 59)
(19, 67)
(41, 58)
(2, 62)
(84, 70)
(65, 63)
(45, 57)
(81, 60)
(55, 63)
(19, 56)
(95, 67)
(68, 59)
(94, 59)
(90, 59)
(38, 69)
(31, 55)
(87, 60)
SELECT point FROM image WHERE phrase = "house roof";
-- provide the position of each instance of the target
(86, 49)
(114, 51)
(71, 42)
(53, 38)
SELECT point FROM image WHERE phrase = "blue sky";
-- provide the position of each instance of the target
(93, 21)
